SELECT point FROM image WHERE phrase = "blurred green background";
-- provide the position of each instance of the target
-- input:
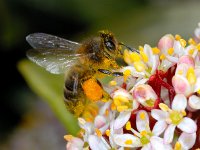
(27, 122)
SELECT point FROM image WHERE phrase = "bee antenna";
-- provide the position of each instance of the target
(130, 48)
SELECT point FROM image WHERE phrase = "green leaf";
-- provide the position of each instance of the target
(50, 88)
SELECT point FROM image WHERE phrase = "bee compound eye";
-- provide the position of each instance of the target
(110, 45)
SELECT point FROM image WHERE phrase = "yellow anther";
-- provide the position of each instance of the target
(162, 57)
(183, 112)
(178, 146)
(141, 48)
(106, 112)
(113, 83)
(144, 56)
(135, 57)
(108, 132)
(128, 125)
(180, 72)
(155, 50)
(81, 121)
(98, 132)
(127, 72)
(191, 76)
(122, 99)
(68, 137)
(198, 91)
(198, 47)
(170, 51)
(142, 116)
(183, 42)
(191, 41)
(143, 133)
(117, 101)
(191, 51)
(113, 106)
(177, 37)
(122, 108)
(139, 66)
(128, 142)
(164, 107)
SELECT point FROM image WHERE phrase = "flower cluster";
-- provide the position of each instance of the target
(154, 106)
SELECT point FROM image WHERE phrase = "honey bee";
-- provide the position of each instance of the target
(82, 64)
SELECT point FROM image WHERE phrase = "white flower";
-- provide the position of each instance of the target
(185, 141)
(74, 143)
(143, 137)
(172, 118)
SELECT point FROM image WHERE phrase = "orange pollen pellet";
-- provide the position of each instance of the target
(92, 90)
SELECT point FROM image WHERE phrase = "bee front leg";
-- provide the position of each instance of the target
(116, 74)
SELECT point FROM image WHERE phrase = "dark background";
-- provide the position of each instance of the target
(134, 22)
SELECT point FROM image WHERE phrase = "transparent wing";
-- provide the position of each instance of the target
(56, 61)
(43, 40)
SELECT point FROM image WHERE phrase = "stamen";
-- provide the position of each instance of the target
(128, 125)
(162, 57)
(155, 50)
(126, 74)
(180, 72)
(144, 57)
(170, 51)
(113, 83)
(183, 42)
(143, 133)
(113, 106)
(141, 48)
(122, 108)
(191, 51)
(183, 112)
(142, 116)
(106, 112)
(135, 57)
(191, 76)
(191, 41)
(177, 37)
(108, 132)
(198, 47)
(81, 121)
(98, 132)
(164, 107)
(139, 66)
(128, 142)
(68, 137)
(178, 146)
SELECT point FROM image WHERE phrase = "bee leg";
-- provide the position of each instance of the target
(105, 71)
(116, 74)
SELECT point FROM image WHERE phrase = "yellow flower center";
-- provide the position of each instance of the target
(176, 117)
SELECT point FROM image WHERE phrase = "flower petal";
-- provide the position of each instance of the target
(159, 127)
(169, 134)
(142, 121)
(120, 139)
(121, 120)
(147, 147)
(179, 103)
(187, 140)
(96, 143)
(99, 121)
(159, 114)
(194, 102)
(157, 143)
(187, 125)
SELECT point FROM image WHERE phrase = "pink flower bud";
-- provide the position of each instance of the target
(166, 42)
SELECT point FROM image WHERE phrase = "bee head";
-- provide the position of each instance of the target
(109, 42)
